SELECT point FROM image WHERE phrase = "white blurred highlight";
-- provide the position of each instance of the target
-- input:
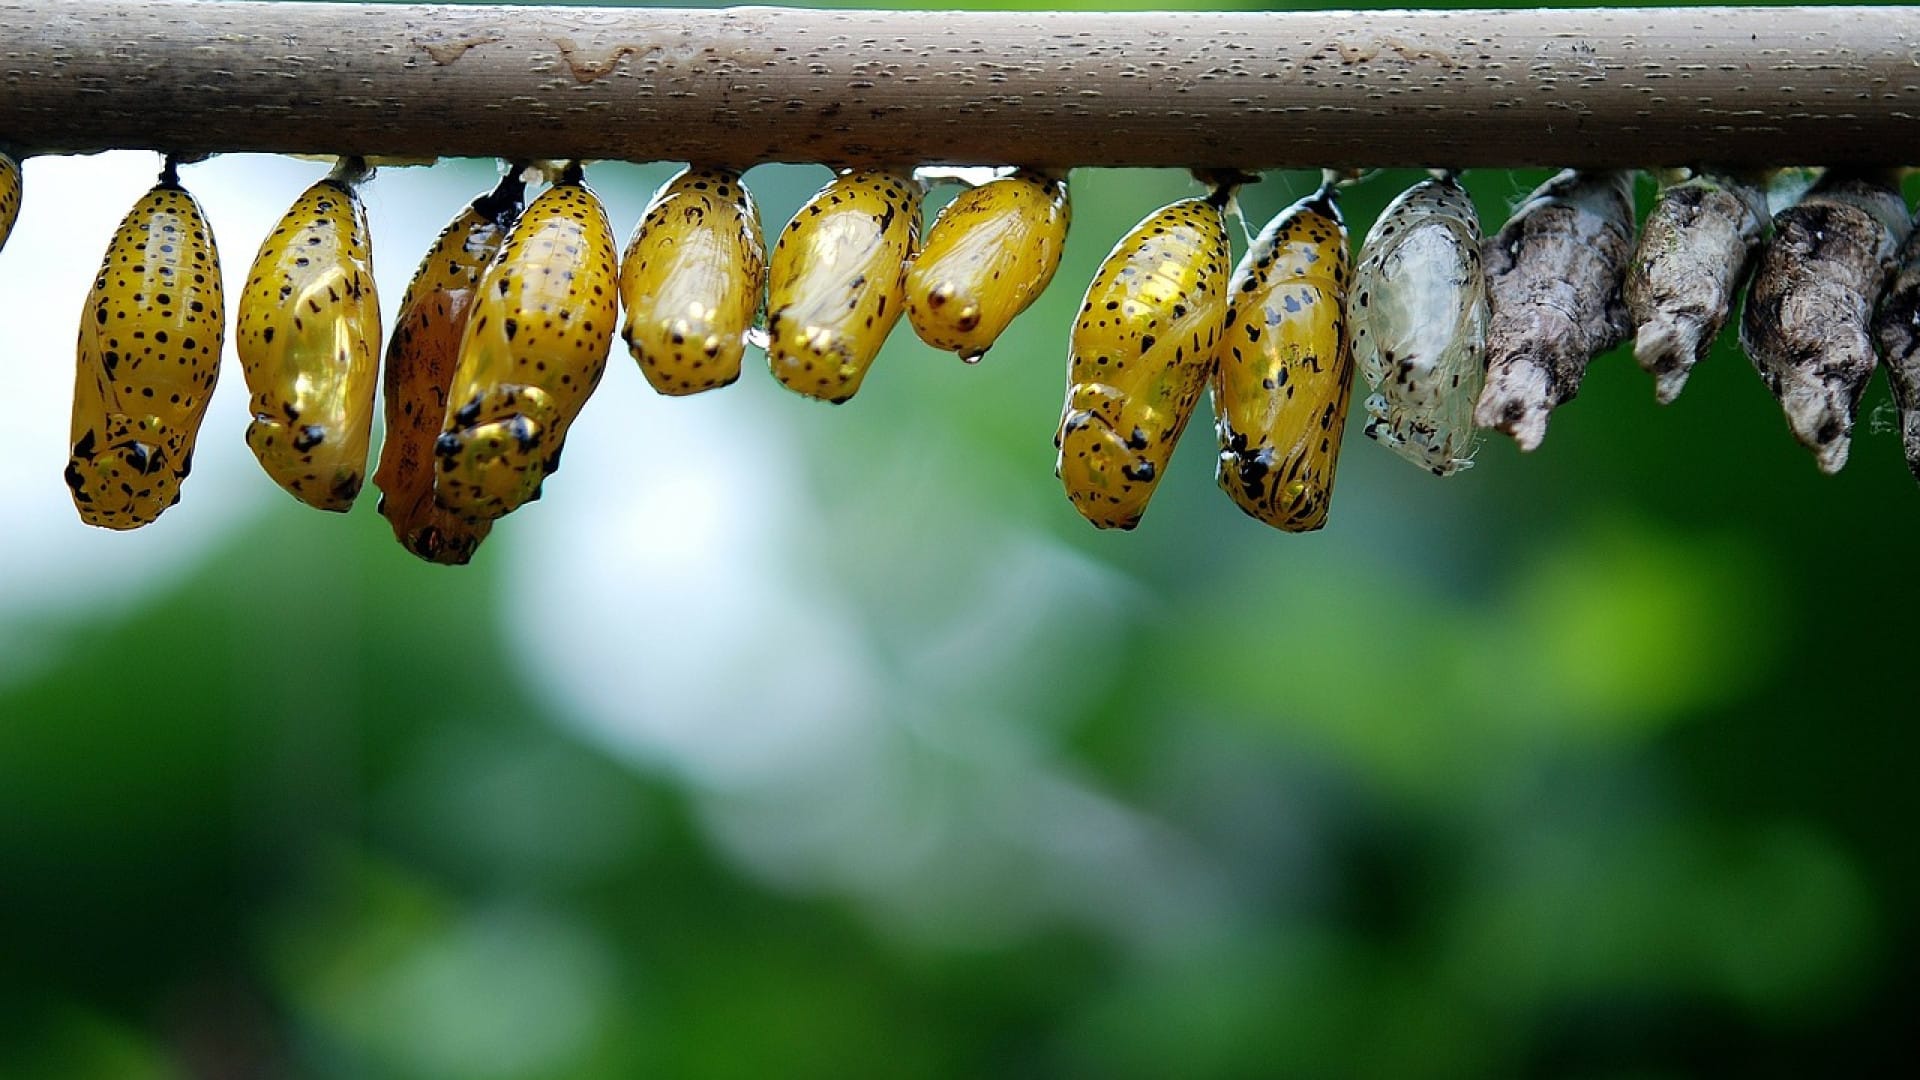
(57, 569)
(708, 619)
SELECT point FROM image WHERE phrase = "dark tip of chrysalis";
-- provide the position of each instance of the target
(170, 173)
(1326, 201)
(507, 199)
(1223, 183)
(574, 173)
(351, 172)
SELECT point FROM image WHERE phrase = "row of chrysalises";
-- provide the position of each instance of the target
(506, 327)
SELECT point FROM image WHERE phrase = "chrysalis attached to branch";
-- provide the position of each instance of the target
(1554, 274)
(1897, 330)
(1285, 371)
(9, 195)
(421, 361)
(308, 336)
(1419, 315)
(988, 256)
(1142, 349)
(149, 355)
(1806, 320)
(1694, 249)
(692, 281)
(532, 353)
(836, 285)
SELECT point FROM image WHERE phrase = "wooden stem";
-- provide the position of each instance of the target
(1645, 87)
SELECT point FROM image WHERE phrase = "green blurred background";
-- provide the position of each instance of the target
(787, 740)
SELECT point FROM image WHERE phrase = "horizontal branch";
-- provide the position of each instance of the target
(1253, 90)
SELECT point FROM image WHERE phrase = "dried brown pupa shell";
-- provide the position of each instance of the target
(1553, 288)
(1806, 320)
(1695, 247)
(1897, 331)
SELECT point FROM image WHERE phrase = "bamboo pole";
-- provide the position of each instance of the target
(1737, 86)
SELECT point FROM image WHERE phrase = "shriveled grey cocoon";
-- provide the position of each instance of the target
(1808, 311)
(1694, 248)
(1553, 288)
(1897, 329)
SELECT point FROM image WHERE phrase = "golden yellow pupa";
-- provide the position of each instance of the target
(989, 255)
(1141, 351)
(532, 352)
(148, 357)
(692, 281)
(1286, 367)
(308, 336)
(9, 196)
(837, 281)
(421, 360)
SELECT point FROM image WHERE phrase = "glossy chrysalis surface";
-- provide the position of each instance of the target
(10, 180)
(148, 357)
(421, 359)
(1286, 367)
(692, 280)
(836, 284)
(532, 352)
(989, 255)
(1419, 320)
(1141, 351)
(308, 336)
